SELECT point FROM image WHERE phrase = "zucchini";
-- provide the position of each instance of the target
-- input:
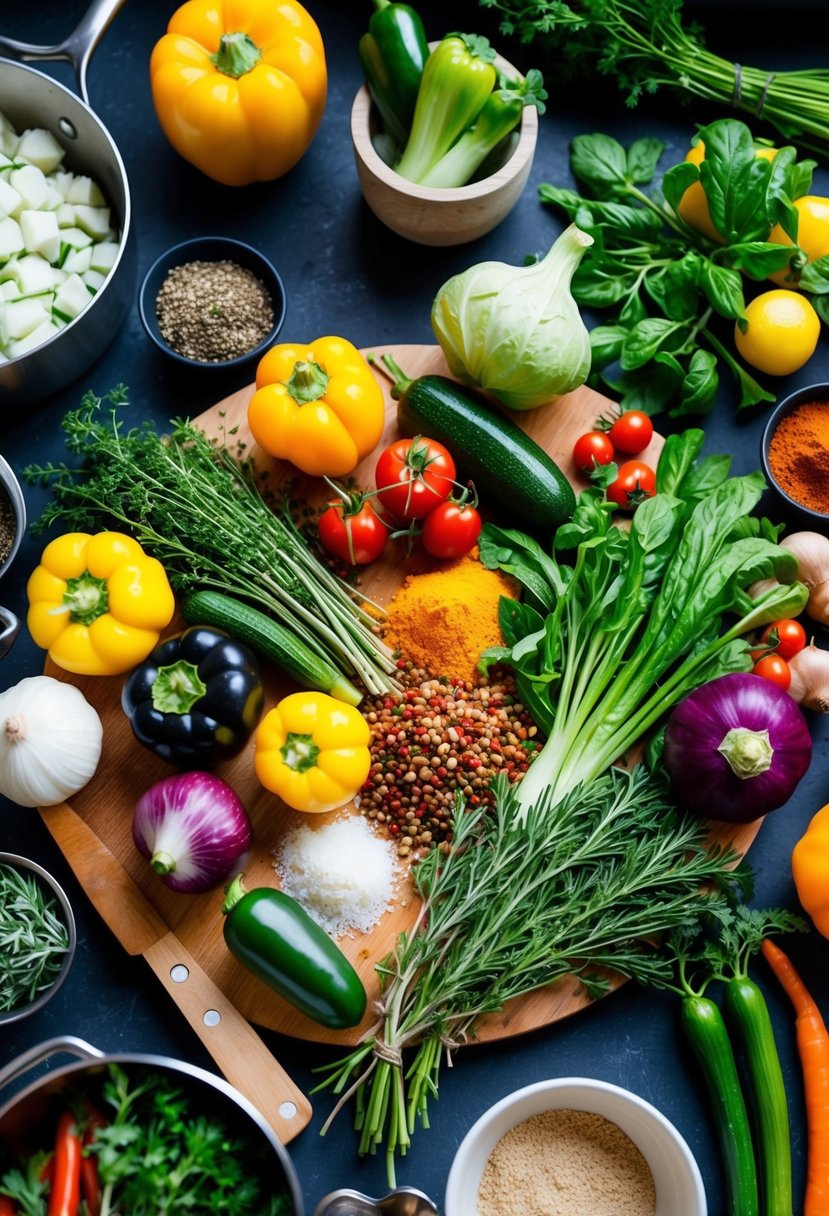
(270, 640)
(507, 466)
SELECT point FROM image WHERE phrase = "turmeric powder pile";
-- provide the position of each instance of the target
(443, 620)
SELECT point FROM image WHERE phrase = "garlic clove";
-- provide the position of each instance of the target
(810, 678)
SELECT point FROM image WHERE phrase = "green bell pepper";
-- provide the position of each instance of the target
(276, 939)
(393, 54)
(458, 77)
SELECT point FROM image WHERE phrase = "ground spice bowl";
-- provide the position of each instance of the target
(15, 862)
(10, 486)
(817, 520)
(211, 249)
(678, 1182)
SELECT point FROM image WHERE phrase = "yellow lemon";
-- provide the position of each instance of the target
(782, 332)
(812, 234)
(693, 206)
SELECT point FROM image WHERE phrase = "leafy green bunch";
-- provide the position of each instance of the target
(666, 284)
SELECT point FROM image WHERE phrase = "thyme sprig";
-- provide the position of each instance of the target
(575, 888)
(196, 504)
(33, 938)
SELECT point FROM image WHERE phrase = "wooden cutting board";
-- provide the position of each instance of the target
(127, 769)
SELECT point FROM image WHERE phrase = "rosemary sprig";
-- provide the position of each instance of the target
(33, 939)
(584, 885)
(197, 506)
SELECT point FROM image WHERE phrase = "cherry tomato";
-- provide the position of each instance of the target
(785, 638)
(357, 537)
(451, 529)
(635, 482)
(631, 432)
(414, 476)
(775, 669)
(592, 449)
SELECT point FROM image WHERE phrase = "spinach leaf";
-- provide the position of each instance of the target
(642, 158)
(759, 259)
(724, 289)
(700, 385)
(600, 162)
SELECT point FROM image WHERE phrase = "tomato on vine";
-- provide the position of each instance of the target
(592, 449)
(634, 482)
(786, 638)
(631, 432)
(413, 476)
(774, 668)
(351, 530)
(451, 529)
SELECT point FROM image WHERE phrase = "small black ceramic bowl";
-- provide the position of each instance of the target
(64, 910)
(12, 497)
(811, 392)
(211, 249)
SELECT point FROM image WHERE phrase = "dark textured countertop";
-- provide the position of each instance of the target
(345, 273)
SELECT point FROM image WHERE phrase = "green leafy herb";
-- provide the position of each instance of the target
(646, 46)
(666, 282)
(33, 938)
(198, 507)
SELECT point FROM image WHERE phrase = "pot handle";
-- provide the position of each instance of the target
(65, 1044)
(9, 626)
(77, 48)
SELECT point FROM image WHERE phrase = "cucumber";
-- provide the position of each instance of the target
(270, 640)
(508, 467)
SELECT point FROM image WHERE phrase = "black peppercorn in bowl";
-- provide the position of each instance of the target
(794, 451)
(12, 515)
(212, 302)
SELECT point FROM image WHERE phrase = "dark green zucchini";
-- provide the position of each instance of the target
(508, 467)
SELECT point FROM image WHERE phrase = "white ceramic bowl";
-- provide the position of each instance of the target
(679, 1188)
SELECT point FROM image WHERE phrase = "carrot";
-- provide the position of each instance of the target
(66, 1186)
(813, 1046)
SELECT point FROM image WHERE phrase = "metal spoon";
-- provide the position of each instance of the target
(403, 1201)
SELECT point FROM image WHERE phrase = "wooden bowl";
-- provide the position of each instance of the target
(430, 216)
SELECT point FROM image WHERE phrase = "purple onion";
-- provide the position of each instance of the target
(736, 748)
(193, 829)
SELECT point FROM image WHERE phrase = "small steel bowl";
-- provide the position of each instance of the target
(811, 392)
(211, 249)
(11, 485)
(45, 878)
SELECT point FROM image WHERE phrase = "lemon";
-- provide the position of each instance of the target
(782, 333)
(812, 234)
(693, 206)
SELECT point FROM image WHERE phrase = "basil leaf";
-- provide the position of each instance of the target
(706, 475)
(677, 180)
(642, 158)
(650, 389)
(606, 343)
(814, 276)
(645, 339)
(597, 289)
(734, 180)
(699, 388)
(724, 289)
(759, 259)
(821, 306)
(632, 311)
(675, 459)
(799, 181)
(666, 359)
(751, 393)
(676, 289)
(599, 161)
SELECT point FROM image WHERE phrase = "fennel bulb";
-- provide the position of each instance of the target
(516, 331)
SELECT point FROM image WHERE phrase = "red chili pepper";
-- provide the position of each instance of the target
(66, 1186)
(90, 1181)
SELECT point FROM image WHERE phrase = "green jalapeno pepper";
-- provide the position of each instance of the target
(276, 939)
(393, 54)
(458, 77)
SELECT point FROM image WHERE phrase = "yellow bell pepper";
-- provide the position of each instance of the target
(810, 870)
(318, 406)
(312, 751)
(98, 603)
(239, 88)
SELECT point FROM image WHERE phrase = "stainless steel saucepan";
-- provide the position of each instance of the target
(30, 98)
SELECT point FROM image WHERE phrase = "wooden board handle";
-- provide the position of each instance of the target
(232, 1042)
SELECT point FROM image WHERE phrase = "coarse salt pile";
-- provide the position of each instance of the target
(343, 874)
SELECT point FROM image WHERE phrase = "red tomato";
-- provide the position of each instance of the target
(775, 669)
(635, 482)
(785, 637)
(631, 432)
(357, 538)
(451, 529)
(592, 449)
(414, 476)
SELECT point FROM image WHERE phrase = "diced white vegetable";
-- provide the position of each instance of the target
(94, 279)
(85, 190)
(20, 318)
(75, 237)
(9, 290)
(43, 332)
(10, 200)
(72, 297)
(41, 233)
(62, 180)
(3, 358)
(66, 215)
(5, 161)
(31, 185)
(78, 260)
(34, 274)
(8, 270)
(40, 148)
(94, 220)
(9, 139)
(53, 200)
(11, 238)
(103, 255)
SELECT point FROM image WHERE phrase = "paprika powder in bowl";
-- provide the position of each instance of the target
(795, 452)
(212, 302)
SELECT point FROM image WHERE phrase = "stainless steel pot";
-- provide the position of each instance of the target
(24, 1117)
(32, 99)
